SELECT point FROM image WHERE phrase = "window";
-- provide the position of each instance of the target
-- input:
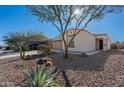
(72, 42)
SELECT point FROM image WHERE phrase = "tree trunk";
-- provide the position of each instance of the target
(22, 52)
(66, 52)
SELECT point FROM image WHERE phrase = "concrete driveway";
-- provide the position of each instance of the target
(15, 54)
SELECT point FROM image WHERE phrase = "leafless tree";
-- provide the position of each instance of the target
(65, 16)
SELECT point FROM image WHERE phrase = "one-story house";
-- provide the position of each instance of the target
(83, 42)
(33, 45)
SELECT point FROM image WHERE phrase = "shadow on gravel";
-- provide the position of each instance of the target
(67, 83)
(56, 72)
(79, 62)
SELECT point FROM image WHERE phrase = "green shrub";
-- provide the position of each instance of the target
(39, 78)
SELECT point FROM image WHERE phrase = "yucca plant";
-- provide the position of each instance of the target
(39, 78)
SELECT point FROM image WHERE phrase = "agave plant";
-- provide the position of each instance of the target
(39, 78)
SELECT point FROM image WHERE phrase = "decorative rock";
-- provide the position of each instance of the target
(6, 84)
(43, 55)
(49, 63)
(41, 61)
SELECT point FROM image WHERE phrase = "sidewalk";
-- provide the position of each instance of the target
(73, 52)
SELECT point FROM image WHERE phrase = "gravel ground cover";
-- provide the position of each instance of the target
(12, 73)
(105, 69)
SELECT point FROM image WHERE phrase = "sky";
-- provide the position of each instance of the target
(17, 18)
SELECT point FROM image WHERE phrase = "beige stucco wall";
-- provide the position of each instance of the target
(109, 44)
(57, 43)
(83, 42)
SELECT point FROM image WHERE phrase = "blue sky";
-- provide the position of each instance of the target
(16, 18)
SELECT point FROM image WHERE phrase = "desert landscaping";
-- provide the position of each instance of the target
(61, 46)
(102, 69)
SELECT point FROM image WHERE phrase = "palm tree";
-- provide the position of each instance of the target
(17, 40)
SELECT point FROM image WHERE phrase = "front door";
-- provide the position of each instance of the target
(100, 44)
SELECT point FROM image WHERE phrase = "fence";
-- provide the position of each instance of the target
(117, 46)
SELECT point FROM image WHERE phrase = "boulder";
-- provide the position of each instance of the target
(49, 63)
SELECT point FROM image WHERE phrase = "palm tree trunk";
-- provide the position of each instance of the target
(22, 52)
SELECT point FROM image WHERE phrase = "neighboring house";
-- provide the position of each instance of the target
(33, 45)
(83, 42)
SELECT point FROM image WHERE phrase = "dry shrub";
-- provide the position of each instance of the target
(45, 49)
